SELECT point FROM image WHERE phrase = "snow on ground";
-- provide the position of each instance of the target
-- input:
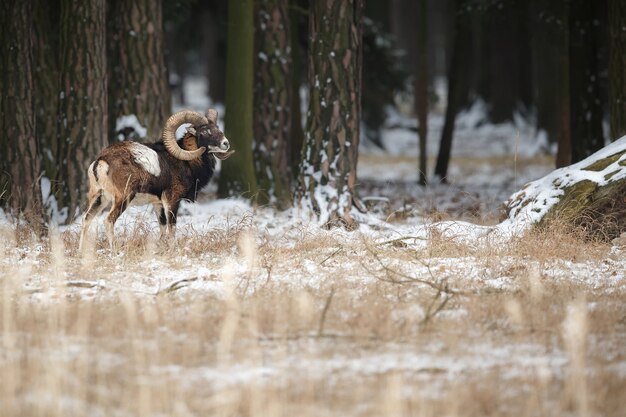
(421, 303)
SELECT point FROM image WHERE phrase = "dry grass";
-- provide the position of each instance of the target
(310, 324)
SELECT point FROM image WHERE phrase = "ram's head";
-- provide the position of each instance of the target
(211, 137)
(208, 136)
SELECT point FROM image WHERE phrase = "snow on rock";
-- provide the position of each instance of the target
(529, 205)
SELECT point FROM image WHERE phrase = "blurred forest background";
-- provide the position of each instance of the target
(78, 75)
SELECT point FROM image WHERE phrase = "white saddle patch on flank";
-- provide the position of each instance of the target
(147, 158)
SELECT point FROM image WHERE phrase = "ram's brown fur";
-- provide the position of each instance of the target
(126, 169)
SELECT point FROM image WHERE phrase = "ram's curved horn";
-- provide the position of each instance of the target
(211, 115)
(169, 134)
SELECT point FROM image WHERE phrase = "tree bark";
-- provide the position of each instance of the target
(421, 87)
(237, 175)
(82, 118)
(272, 102)
(617, 67)
(138, 81)
(328, 176)
(19, 154)
(586, 101)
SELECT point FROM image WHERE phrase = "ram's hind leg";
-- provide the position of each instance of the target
(94, 207)
(170, 211)
(117, 208)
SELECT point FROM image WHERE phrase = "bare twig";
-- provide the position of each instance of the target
(331, 255)
(320, 329)
(85, 284)
(400, 239)
(176, 285)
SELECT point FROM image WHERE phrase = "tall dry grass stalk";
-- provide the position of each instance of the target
(317, 325)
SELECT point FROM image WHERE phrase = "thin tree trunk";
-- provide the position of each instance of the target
(298, 65)
(215, 31)
(562, 87)
(82, 119)
(138, 83)
(617, 67)
(237, 175)
(272, 102)
(46, 80)
(20, 159)
(421, 87)
(455, 93)
(586, 103)
(328, 178)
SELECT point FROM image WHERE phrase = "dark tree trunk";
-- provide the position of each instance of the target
(298, 65)
(585, 95)
(272, 102)
(82, 120)
(562, 92)
(617, 67)
(215, 49)
(403, 27)
(550, 60)
(19, 154)
(456, 79)
(138, 82)
(421, 87)
(509, 60)
(46, 80)
(328, 177)
(237, 175)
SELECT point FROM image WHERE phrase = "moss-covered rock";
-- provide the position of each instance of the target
(590, 194)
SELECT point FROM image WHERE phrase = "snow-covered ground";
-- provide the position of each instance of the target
(425, 309)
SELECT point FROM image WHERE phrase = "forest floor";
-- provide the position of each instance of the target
(255, 312)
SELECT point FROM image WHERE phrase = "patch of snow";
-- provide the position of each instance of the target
(130, 121)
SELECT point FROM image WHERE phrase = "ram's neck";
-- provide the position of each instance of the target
(190, 143)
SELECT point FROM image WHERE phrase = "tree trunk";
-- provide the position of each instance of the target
(82, 119)
(587, 195)
(237, 175)
(421, 87)
(328, 176)
(404, 29)
(563, 93)
(298, 65)
(272, 102)
(138, 82)
(46, 80)
(617, 67)
(509, 60)
(586, 102)
(215, 49)
(19, 154)
(456, 73)
(550, 72)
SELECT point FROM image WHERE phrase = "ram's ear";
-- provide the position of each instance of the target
(192, 130)
(211, 115)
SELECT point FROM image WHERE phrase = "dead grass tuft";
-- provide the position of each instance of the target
(235, 321)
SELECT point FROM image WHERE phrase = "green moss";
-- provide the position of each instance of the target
(604, 162)
(576, 197)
